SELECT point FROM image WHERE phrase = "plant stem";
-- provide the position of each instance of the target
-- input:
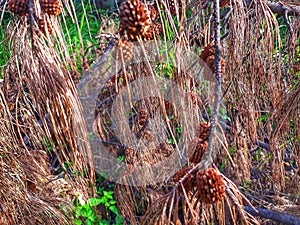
(210, 152)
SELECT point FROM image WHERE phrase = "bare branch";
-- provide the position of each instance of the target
(208, 157)
(280, 8)
(286, 20)
(280, 217)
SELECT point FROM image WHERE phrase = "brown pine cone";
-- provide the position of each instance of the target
(18, 7)
(210, 185)
(208, 55)
(153, 12)
(156, 28)
(45, 25)
(224, 3)
(134, 19)
(203, 131)
(123, 51)
(198, 152)
(141, 117)
(189, 183)
(154, 31)
(208, 51)
(75, 76)
(51, 7)
(130, 155)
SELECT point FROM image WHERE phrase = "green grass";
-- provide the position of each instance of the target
(4, 44)
(82, 35)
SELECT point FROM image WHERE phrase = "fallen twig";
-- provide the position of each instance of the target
(280, 217)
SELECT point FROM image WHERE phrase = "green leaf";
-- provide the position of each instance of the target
(78, 212)
(114, 209)
(263, 117)
(109, 192)
(87, 212)
(89, 222)
(109, 196)
(95, 201)
(112, 202)
(77, 221)
(93, 217)
(104, 199)
(86, 206)
(103, 222)
(119, 219)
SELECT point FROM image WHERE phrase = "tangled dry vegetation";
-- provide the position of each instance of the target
(45, 156)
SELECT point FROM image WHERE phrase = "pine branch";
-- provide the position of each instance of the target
(210, 151)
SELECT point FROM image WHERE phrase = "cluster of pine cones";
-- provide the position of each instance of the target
(48, 8)
(209, 183)
(21, 7)
(201, 142)
(137, 22)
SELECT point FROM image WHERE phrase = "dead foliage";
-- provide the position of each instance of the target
(42, 128)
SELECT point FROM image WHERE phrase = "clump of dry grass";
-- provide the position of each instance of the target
(20, 204)
(40, 118)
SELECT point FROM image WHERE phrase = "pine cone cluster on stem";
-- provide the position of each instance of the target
(137, 21)
(210, 185)
(189, 182)
(134, 19)
(21, 7)
(18, 7)
(51, 7)
(123, 51)
(201, 142)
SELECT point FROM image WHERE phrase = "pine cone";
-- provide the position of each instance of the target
(134, 19)
(208, 55)
(202, 142)
(104, 40)
(198, 152)
(75, 76)
(18, 7)
(203, 131)
(45, 25)
(224, 3)
(51, 7)
(153, 12)
(130, 155)
(154, 31)
(189, 183)
(210, 185)
(208, 51)
(141, 118)
(123, 50)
